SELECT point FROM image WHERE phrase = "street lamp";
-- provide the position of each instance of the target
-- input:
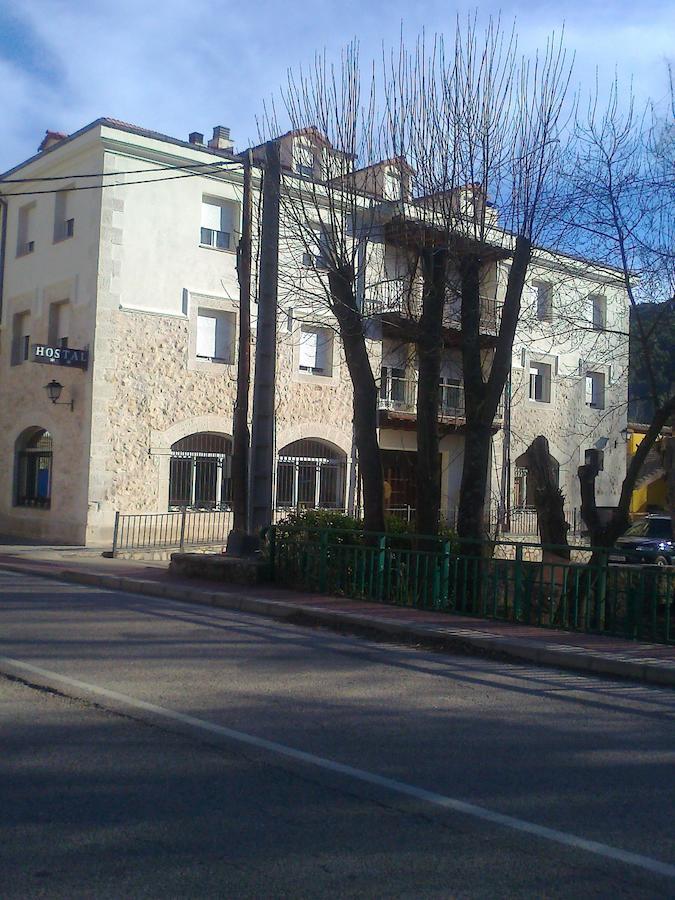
(54, 389)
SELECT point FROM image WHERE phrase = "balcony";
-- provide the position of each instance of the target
(399, 302)
(398, 401)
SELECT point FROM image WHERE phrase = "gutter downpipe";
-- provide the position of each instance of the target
(4, 206)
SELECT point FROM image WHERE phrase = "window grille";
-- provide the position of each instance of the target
(200, 472)
(311, 475)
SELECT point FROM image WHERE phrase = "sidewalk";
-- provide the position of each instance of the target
(653, 663)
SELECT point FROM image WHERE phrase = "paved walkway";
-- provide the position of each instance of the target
(634, 660)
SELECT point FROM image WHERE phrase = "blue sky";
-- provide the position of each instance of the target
(187, 65)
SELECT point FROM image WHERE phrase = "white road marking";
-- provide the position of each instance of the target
(399, 787)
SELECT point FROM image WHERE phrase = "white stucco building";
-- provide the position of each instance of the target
(121, 242)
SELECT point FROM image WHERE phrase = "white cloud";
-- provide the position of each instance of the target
(190, 64)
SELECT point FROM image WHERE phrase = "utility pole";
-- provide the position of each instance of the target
(262, 438)
(240, 430)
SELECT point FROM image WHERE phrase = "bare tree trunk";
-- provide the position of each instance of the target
(365, 395)
(429, 350)
(482, 397)
(548, 498)
(668, 459)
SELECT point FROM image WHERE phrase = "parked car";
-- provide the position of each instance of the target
(647, 541)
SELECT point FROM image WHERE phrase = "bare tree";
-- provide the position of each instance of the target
(625, 206)
(328, 215)
(482, 128)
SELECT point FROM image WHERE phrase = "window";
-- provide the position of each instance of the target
(59, 324)
(544, 300)
(451, 397)
(34, 468)
(392, 186)
(595, 390)
(599, 311)
(310, 475)
(200, 472)
(64, 223)
(316, 350)
(20, 338)
(320, 255)
(215, 336)
(24, 239)
(396, 391)
(303, 157)
(219, 222)
(540, 382)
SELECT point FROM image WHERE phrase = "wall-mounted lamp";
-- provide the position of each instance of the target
(54, 389)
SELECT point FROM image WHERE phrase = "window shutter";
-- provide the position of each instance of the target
(323, 349)
(589, 389)
(308, 349)
(206, 336)
(212, 214)
(223, 337)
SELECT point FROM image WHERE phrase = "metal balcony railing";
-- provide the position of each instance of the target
(398, 297)
(399, 394)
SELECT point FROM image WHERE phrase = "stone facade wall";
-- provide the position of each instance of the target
(56, 271)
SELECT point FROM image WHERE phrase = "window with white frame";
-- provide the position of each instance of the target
(544, 300)
(595, 390)
(396, 390)
(315, 350)
(215, 336)
(219, 223)
(25, 242)
(540, 382)
(64, 222)
(599, 311)
(59, 324)
(303, 157)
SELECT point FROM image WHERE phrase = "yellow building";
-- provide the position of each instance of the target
(650, 489)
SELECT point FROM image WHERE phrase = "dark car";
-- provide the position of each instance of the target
(650, 540)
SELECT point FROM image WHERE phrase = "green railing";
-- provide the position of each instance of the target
(517, 582)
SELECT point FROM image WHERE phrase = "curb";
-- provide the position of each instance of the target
(457, 640)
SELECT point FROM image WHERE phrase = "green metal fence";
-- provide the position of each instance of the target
(517, 582)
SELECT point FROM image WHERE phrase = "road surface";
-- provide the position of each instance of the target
(156, 749)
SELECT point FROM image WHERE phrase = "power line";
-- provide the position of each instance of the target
(218, 162)
(98, 187)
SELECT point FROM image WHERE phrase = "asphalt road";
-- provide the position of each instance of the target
(155, 749)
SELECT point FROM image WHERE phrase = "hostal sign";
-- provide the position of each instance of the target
(60, 356)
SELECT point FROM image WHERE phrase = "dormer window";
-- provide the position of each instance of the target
(303, 157)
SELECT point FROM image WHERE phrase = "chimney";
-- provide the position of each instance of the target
(50, 139)
(196, 137)
(221, 139)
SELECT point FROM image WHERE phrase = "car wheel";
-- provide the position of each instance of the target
(661, 561)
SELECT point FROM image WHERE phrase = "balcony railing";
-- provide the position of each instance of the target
(399, 395)
(398, 297)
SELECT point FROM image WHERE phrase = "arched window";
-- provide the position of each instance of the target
(310, 475)
(200, 472)
(34, 468)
